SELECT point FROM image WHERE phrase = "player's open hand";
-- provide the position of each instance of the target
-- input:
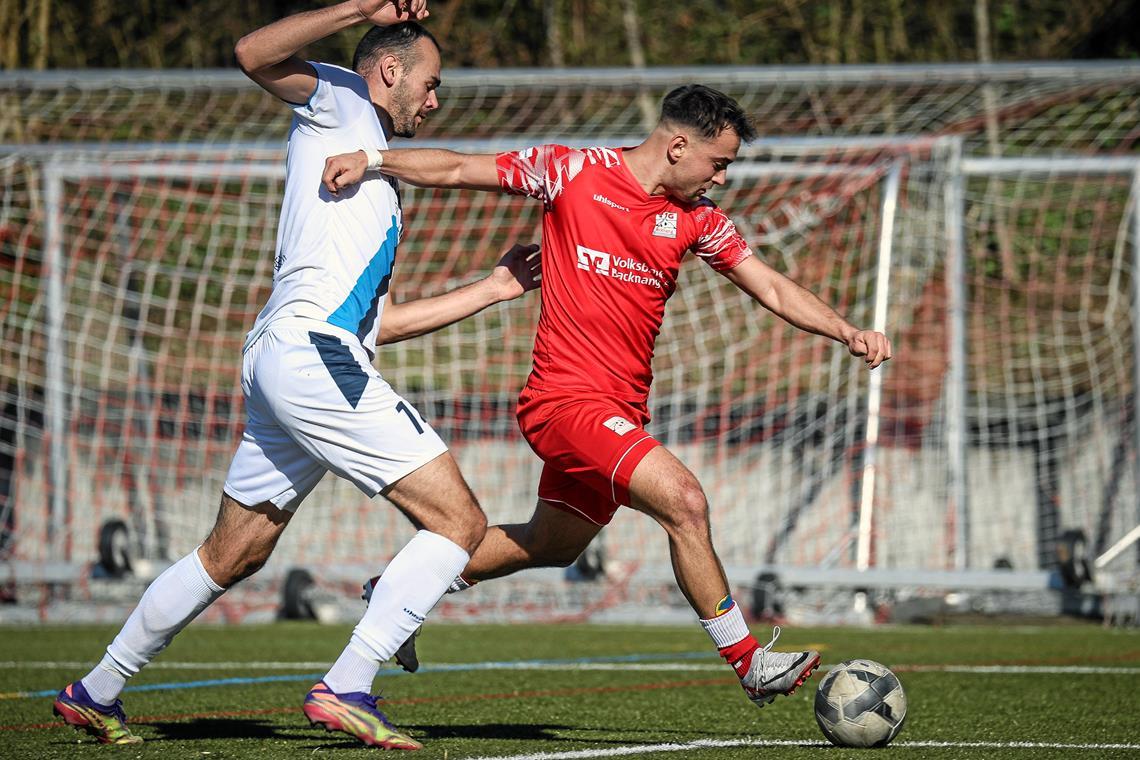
(344, 170)
(519, 271)
(388, 12)
(873, 346)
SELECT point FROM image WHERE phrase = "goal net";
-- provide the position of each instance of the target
(1004, 423)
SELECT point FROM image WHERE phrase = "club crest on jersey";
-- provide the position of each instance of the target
(619, 425)
(597, 261)
(666, 225)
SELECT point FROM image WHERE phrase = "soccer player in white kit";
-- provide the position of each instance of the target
(314, 401)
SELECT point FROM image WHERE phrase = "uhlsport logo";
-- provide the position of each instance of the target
(607, 202)
(619, 425)
(591, 260)
(666, 225)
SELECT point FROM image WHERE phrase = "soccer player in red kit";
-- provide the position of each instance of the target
(617, 223)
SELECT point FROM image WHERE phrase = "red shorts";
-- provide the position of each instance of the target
(590, 444)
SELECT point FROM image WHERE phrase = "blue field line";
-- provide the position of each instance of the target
(441, 668)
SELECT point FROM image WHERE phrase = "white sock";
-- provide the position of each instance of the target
(727, 629)
(412, 583)
(167, 606)
(354, 670)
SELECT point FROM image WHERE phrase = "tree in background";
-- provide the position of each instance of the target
(54, 34)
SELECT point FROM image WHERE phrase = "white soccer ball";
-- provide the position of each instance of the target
(860, 703)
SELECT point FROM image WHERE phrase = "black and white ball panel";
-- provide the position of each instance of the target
(860, 703)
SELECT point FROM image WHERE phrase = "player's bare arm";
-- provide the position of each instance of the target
(424, 167)
(268, 55)
(800, 307)
(519, 271)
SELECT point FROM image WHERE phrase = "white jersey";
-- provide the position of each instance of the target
(314, 402)
(335, 253)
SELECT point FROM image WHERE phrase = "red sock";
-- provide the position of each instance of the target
(739, 655)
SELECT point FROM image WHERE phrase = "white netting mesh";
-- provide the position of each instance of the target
(166, 262)
(1076, 107)
(1051, 364)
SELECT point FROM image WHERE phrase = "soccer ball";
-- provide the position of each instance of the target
(860, 703)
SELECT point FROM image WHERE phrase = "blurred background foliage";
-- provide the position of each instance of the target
(67, 34)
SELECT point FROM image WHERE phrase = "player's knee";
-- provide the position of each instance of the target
(478, 529)
(470, 528)
(227, 566)
(246, 567)
(689, 509)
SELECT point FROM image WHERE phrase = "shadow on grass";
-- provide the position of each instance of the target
(224, 728)
(253, 728)
(532, 732)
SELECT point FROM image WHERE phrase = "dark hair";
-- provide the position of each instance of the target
(709, 111)
(398, 40)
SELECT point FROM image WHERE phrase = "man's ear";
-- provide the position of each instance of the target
(677, 146)
(390, 69)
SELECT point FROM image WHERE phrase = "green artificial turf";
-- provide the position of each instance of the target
(656, 686)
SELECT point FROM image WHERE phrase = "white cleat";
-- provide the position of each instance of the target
(774, 673)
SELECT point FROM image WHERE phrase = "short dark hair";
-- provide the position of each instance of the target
(398, 40)
(709, 111)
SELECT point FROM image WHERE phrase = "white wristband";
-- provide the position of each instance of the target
(375, 159)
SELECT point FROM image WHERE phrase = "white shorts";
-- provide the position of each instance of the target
(315, 403)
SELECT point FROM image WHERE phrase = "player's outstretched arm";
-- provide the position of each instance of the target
(518, 271)
(802, 308)
(268, 55)
(425, 167)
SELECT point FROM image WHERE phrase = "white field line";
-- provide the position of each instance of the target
(610, 666)
(645, 749)
(1020, 669)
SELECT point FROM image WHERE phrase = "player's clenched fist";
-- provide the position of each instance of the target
(873, 346)
(344, 170)
(387, 12)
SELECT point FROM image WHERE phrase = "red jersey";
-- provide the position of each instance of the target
(610, 257)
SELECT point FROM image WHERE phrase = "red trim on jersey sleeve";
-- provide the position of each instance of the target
(720, 245)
